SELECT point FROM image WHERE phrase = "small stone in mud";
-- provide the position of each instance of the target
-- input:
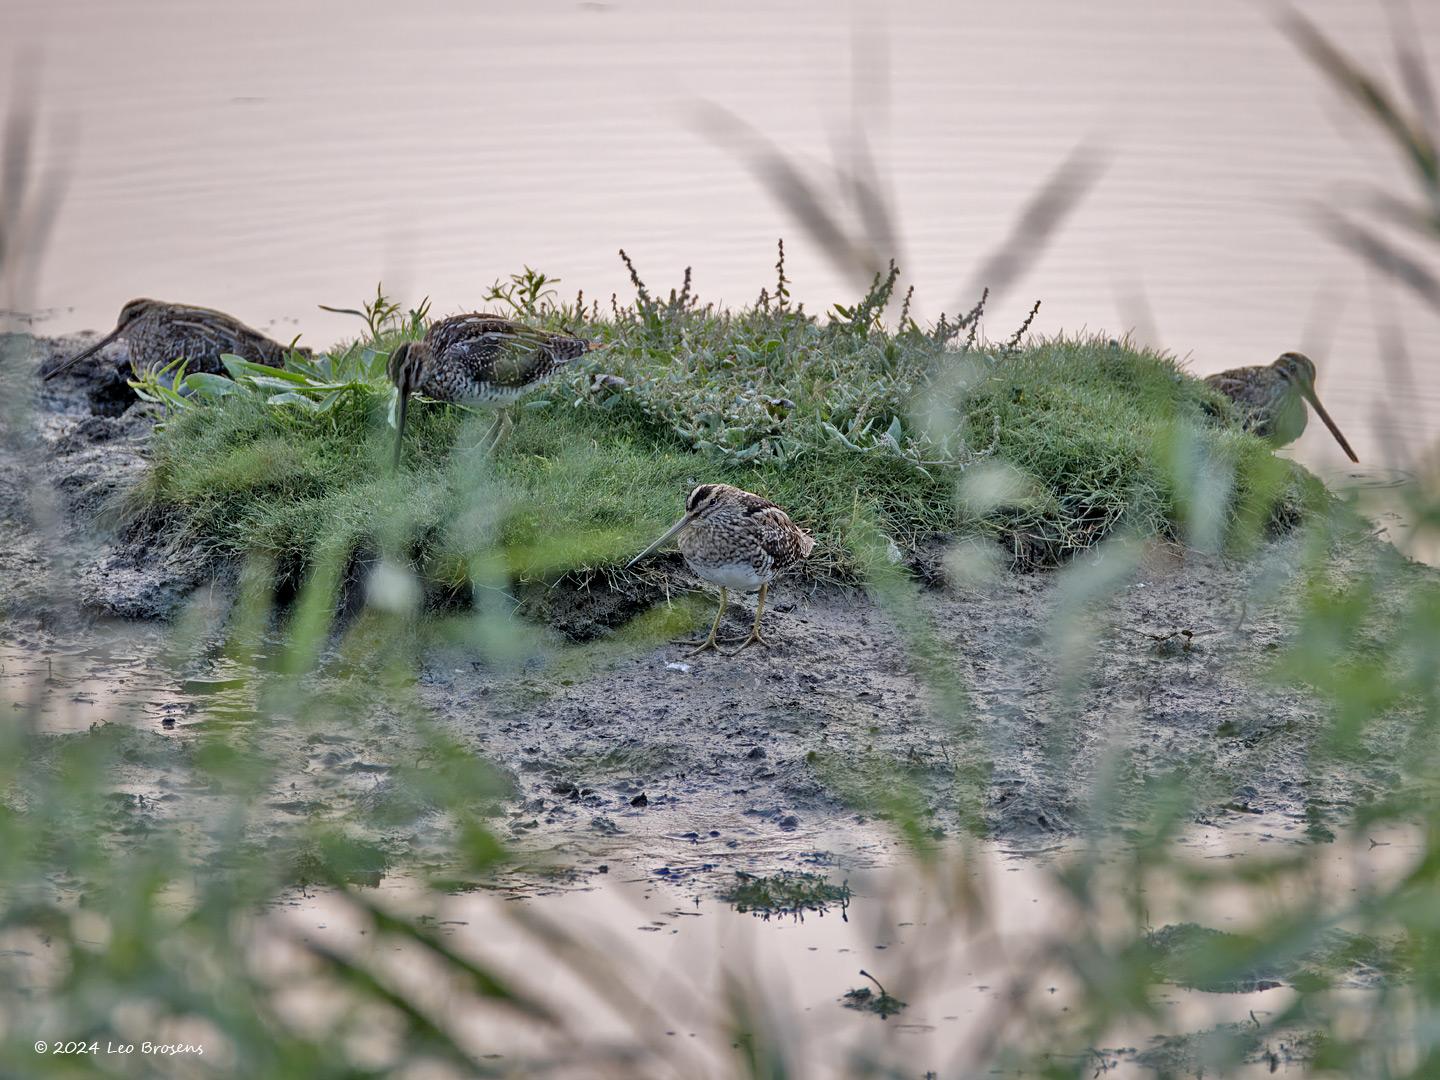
(603, 824)
(756, 753)
(640, 800)
(789, 822)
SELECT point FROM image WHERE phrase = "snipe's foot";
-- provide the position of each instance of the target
(755, 638)
(709, 643)
(702, 646)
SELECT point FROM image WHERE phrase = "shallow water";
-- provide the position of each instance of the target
(64, 688)
(266, 158)
(954, 944)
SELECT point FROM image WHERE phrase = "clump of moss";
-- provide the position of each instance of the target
(852, 426)
(786, 893)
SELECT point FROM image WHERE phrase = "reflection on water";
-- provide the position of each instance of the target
(679, 955)
(114, 674)
(266, 158)
(955, 943)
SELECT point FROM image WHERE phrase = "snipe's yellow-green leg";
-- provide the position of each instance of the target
(711, 641)
(756, 638)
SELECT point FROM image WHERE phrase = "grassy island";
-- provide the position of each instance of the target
(877, 436)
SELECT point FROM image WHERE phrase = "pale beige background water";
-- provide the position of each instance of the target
(265, 157)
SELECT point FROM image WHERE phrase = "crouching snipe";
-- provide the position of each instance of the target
(477, 359)
(1271, 399)
(159, 334)
(735, 540)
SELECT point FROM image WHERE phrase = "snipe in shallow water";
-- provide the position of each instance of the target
(477, 359)
(159, 333)
(1271, 399)
(736, 540)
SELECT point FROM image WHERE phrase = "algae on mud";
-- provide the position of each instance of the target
(787, 893)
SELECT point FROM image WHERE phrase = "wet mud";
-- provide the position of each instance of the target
(780, 759)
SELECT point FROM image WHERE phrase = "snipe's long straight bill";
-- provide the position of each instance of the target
(1325, 416)
(84, 353)
(668, 534)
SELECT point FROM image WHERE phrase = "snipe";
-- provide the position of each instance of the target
(477, 359)
(159, 333)
(1271, 399)
(735, 540)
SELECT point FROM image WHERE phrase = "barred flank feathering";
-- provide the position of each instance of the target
(482, 357)
(159, 333)
(1271, 399)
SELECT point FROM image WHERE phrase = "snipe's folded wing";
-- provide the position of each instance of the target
(779, 536)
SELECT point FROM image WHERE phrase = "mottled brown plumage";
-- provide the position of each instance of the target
(158, 333)
(1271, 399)
(736, 540)
(477, 358)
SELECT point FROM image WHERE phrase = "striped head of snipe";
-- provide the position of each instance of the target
(706, 501)
(1296, 368)
(131, 315)
(406, 368)
(1298, 374)
(406, 365)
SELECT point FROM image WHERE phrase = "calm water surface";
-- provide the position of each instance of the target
(679, 956)
(266, 157)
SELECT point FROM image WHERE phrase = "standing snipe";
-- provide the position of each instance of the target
(1272, 398)
(477, 358)
(735, 540)
(159, 333)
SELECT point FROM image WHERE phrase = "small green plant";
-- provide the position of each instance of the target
(527, 294)
(787, 893)
(383, 316)
(862, 999)
(158, 385)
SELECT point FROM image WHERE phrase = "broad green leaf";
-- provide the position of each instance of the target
(238, 367)
(269, 382)
(329, 400)
(210, 386)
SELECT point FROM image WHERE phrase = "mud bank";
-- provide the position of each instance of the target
(839, 716)
(80, 447)
(771, 759)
